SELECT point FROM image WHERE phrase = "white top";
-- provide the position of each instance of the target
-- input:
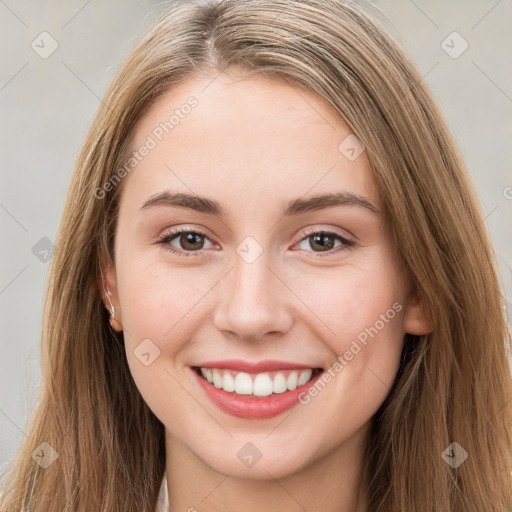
(162, 504)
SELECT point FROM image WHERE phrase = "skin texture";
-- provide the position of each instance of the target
(253, 144)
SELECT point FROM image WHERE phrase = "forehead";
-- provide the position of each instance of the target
(232, 136)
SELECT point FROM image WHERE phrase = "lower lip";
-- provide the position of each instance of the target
(253, 408)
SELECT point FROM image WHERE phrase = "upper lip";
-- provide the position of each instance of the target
(259, 367)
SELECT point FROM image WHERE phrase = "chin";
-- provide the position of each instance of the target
(249, 462)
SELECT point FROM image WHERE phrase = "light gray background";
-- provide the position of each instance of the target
(47, 105)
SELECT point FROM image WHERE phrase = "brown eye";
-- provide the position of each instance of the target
(325, 242)
(322, 241)
(189, 242)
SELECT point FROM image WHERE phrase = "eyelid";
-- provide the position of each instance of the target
(332, 231)
(304, 233)
(185, 228)
(347, 242)
(174, 232)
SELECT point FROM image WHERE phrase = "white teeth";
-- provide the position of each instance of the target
(217, 379)
(263, 385)
(279, 384)
(304, 377)
(291, 381)
(243, 384)
(228, 383)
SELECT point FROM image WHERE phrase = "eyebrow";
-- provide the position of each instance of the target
(293, 207)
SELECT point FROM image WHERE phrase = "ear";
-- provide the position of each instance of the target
(107, 284)
(416, 319)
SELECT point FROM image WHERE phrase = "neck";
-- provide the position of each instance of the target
(332, 482)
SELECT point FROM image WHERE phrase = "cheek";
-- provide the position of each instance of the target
(159, 302)
(364, 310)
(159, 331)
(159, 311)
(351, 301)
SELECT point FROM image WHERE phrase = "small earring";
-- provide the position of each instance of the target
(112, 308)
(112, 318)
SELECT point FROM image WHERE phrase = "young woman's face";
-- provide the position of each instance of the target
(261, 272)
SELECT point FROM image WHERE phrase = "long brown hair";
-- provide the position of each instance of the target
(453, 385)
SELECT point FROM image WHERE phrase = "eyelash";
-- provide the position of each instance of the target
(166, 239)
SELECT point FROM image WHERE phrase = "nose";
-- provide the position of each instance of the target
(254, 301)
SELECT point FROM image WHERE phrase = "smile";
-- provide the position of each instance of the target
(255, 391)
(258, 384)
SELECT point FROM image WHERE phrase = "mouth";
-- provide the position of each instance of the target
(257, 385)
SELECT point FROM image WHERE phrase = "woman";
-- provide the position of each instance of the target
(303, 300)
